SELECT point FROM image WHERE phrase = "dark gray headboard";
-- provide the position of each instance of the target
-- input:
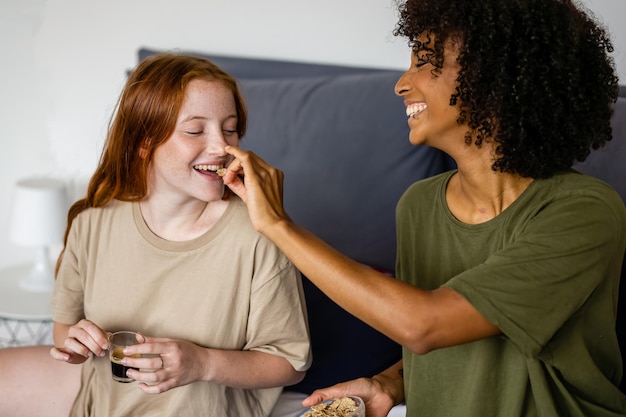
(255, 68)
(341, 136)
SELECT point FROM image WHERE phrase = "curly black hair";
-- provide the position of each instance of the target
(536, 76)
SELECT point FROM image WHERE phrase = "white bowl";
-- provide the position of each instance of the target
(359, 412)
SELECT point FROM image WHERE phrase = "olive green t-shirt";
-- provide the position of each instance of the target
(546, 272)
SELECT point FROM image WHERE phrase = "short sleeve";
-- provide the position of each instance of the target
(278, 318)
(567, 251)
(68, 295)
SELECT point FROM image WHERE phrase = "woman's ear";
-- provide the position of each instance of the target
(144, 149)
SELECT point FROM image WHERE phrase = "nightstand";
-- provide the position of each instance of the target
(25, 316)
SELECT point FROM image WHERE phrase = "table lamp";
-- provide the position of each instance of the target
(38, 219)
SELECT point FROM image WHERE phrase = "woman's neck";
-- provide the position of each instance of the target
(477, 194)
(180, 221)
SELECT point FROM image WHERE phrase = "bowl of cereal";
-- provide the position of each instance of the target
(340, 407)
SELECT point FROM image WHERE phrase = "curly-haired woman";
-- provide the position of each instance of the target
(509, 266)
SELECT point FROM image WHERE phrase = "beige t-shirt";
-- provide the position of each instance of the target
(229, 288)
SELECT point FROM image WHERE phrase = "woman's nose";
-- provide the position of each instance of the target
(401, 87)
(216, 143)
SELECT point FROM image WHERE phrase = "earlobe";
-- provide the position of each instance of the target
(144, 149)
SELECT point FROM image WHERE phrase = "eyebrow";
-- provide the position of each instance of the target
(190, 118)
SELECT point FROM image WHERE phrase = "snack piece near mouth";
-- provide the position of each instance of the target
(209, 168)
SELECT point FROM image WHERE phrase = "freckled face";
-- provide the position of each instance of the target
(427, 97)
(184, 166)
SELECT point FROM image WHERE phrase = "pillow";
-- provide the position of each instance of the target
(340, 134)
(342, 142)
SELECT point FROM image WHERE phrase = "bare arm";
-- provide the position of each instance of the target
(250, 369)
(178, 363)
(174, 363)
(417, 319)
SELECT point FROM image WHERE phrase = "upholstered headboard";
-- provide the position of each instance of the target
(341, 136)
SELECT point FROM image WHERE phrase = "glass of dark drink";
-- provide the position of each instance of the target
(117, 342)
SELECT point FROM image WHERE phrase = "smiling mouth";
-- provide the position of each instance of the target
(208, 168)
(414, 110)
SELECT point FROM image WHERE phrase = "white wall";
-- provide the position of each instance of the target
(64, 63)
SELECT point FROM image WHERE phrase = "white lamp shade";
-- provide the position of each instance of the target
(39, 212)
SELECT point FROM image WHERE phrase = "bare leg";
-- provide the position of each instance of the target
(33, 384)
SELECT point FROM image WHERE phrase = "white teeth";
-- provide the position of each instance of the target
(208, 167)
(413, 110)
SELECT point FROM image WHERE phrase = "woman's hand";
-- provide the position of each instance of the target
(262, 190)
(74, 344)
(380, 393)
(169, 363)
(377, 402)
(165, 364)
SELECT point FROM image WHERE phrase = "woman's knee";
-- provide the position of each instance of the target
(35, 384)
